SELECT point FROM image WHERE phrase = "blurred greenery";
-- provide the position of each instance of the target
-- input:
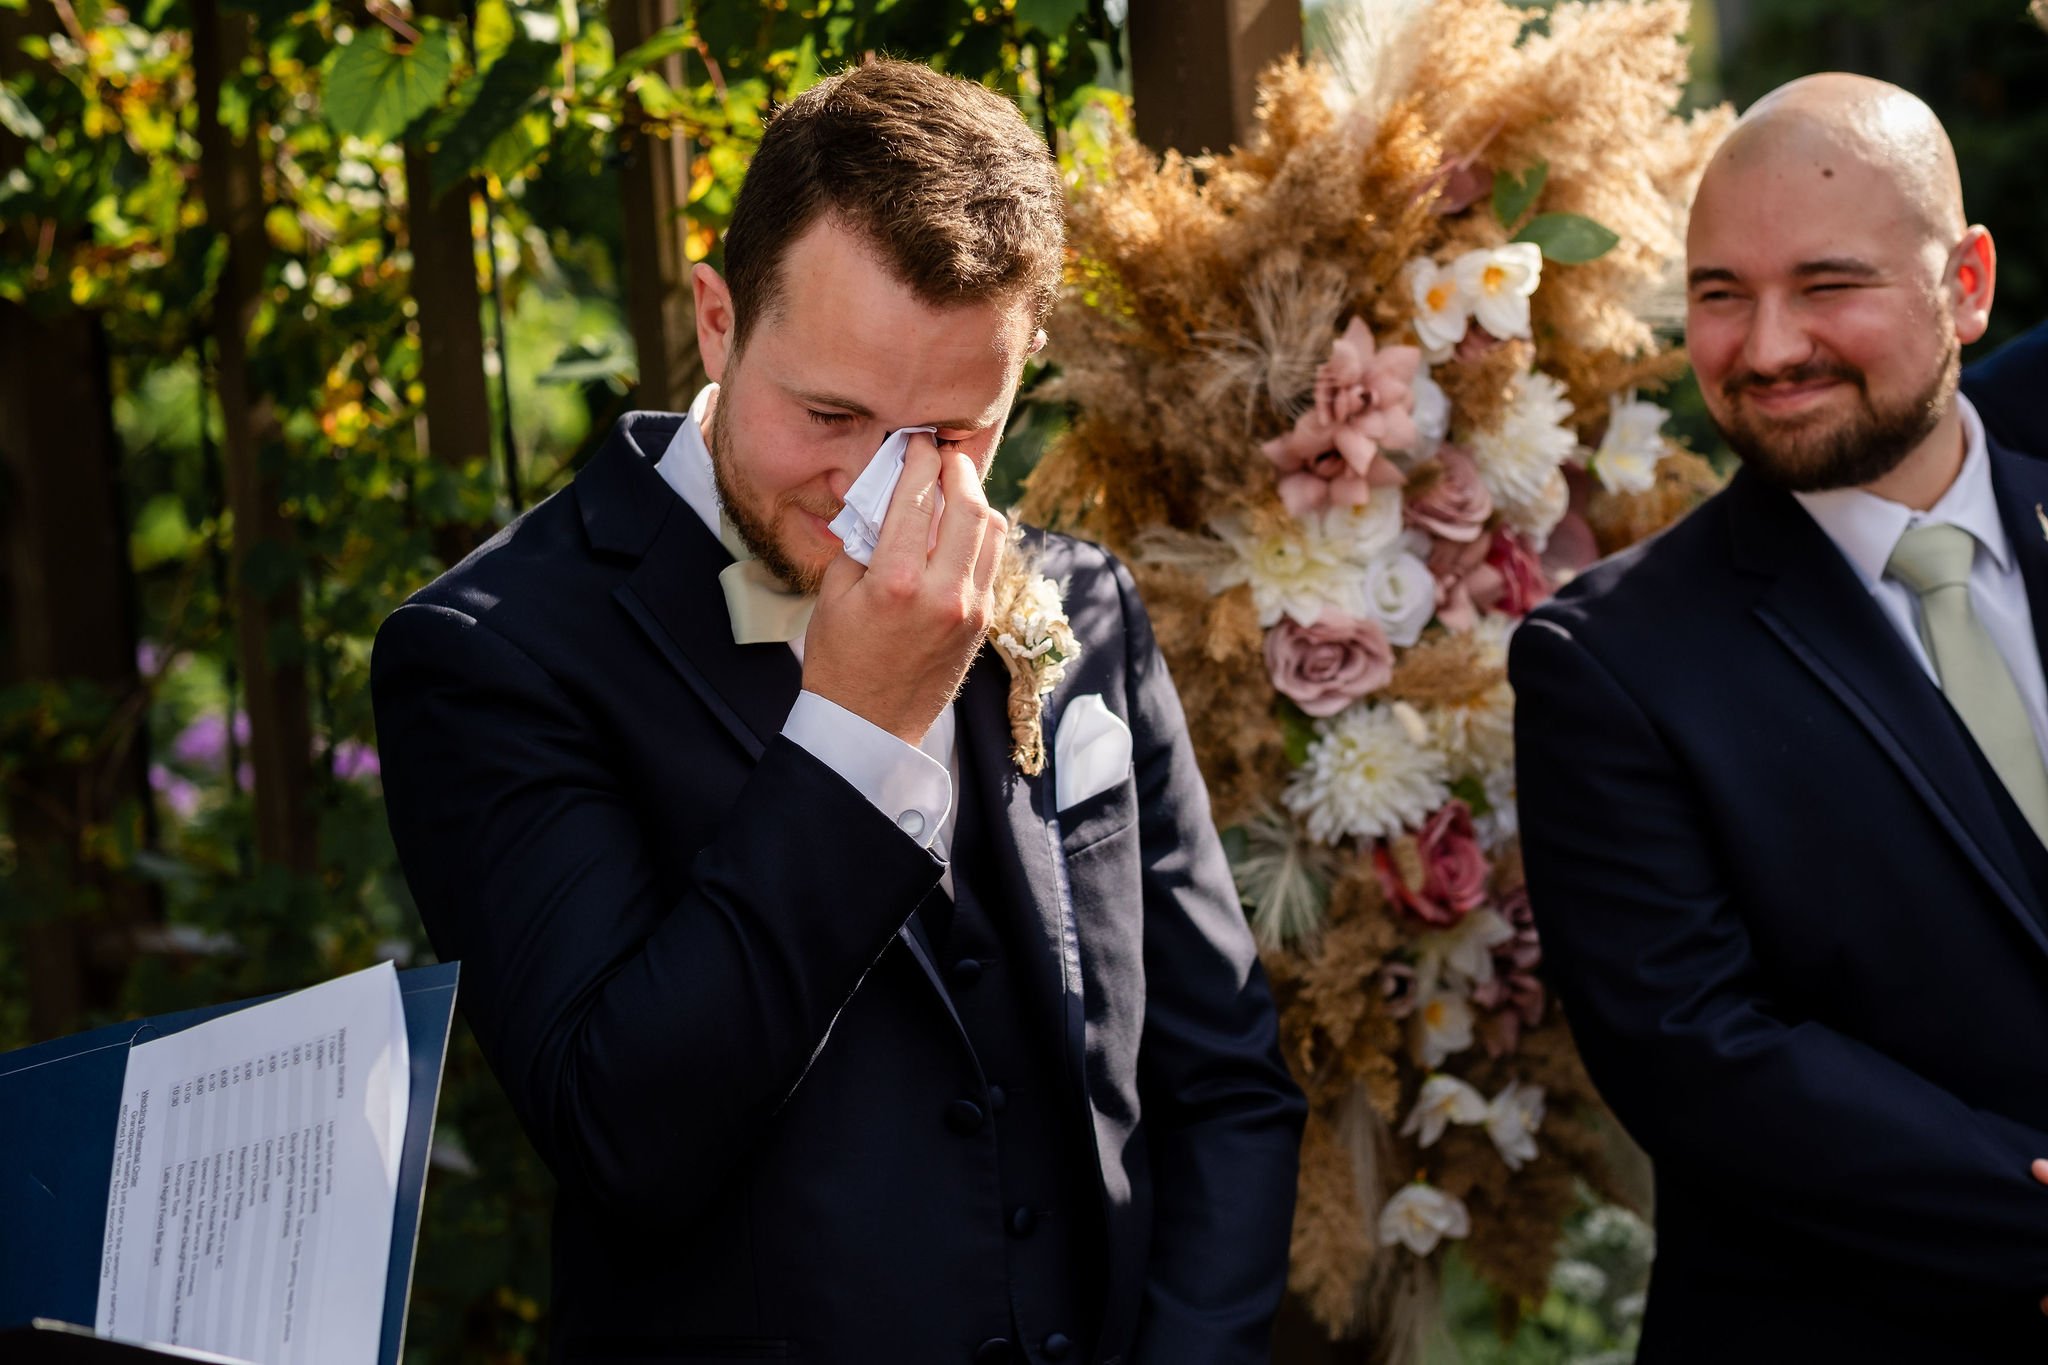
(525, 109)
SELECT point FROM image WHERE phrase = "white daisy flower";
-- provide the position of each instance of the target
(1442, 311)
(1521, 460)
(1444, 1100)
(1512, 1120)
(1497, 285)
(1627, 459)
(1420, 1216)
(1367, 775)
(1297, 572)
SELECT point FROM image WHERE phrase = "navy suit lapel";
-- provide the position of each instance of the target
(673, 592)
(1821, 612)
(2021, 484)
(1023, 840)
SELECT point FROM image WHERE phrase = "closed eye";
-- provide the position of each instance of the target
(829, 419)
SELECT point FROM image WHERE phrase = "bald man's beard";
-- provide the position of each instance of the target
(756, 532)
(1805, 457)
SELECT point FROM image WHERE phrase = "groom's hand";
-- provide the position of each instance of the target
(891, 643)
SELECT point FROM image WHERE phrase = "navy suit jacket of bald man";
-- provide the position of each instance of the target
(2010, 389)
(691, 956)
(1801, 934)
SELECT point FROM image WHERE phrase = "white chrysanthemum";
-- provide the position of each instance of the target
(1627, 459)
(1502, 820)
(1420, 1216)
(1498, 284)
(1296, 572)
(1512, 1120)
(1363, 534)
(1369, 774)
(1444, 1100)
(1519, 461)
(1476, 735)
(1442, 312)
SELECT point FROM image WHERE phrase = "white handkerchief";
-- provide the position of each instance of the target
(859, 523)
(1091, 753)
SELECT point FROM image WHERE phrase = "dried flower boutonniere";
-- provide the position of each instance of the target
(1032, 637)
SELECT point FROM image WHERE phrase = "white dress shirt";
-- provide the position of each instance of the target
(911, 784)
(1866, 528)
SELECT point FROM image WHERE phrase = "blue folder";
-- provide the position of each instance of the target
(58, 1105)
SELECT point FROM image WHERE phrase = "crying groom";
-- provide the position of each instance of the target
(846, 1038)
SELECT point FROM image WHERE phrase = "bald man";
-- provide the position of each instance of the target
(1783, 783)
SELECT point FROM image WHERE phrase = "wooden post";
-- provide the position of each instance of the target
(654, 184)
(66, 617)
(1195, 67)
(269, 625)
(458, 404)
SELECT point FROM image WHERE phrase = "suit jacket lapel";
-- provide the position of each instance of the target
(1023, 839)
(1821, 612)
(673, 592)
(2021, 485)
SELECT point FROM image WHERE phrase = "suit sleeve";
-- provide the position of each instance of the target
(1222, 1116)
(644, 1043)
(1650, 954)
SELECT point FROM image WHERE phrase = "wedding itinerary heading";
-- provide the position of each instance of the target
(255, 1175)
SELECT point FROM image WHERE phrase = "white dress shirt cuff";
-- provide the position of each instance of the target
(904, 783)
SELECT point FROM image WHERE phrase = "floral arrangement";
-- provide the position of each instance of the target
(1033, 638)
(1353, 399)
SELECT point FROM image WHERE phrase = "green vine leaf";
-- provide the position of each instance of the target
(377, 86)
(504, 95)
(1513, 195)
(1050, 17)
(1568, 238)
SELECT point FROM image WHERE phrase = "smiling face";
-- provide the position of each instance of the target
(1830, 284)
(846, 354)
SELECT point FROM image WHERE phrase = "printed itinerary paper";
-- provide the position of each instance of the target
(255, 1175)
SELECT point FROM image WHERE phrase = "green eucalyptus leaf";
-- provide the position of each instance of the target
(1568, 238)
(1513, 195)
(506, 92)
(376, 86)
(1050, 17)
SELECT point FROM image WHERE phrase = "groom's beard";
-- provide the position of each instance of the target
(738, 501)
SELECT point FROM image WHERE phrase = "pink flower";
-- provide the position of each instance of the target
(1466, 584)
(1365, 400)
(1465, 184)
(1453, 866)
(1327, 666)
(1523, 586)
(1457, 506)
(1514, 999)
(1477, 343)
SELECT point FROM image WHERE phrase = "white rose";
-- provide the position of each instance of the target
(1401, 593)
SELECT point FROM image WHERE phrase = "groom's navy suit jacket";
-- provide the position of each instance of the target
(1801, 934)
(705, 969)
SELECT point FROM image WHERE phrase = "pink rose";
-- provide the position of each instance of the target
(1466, 584)
(1571, 549)
(1523, 586)
(1327, 666)
(1457, 506)
(1454, 869)
(1365, 400)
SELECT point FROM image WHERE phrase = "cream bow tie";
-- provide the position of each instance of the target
(764, 609)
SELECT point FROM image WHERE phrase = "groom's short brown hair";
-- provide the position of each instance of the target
(942, 177)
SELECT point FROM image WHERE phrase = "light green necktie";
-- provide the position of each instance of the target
(763, 608)
(1934, 561)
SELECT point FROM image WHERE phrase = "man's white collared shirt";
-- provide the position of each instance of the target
(1866, 529)
(912, 785)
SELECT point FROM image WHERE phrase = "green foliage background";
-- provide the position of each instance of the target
(526, 106)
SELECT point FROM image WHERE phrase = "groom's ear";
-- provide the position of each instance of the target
(715, 330)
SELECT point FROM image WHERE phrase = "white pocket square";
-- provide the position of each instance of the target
(1091, 752)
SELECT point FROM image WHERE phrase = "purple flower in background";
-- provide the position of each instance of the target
(179, 794)
(149, 657)
(245, 776)
(356, 761)
(204, 743)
